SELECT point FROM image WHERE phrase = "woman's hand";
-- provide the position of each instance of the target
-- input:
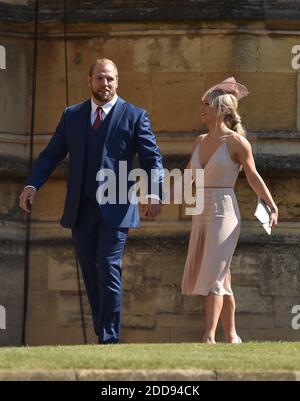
(274, 216)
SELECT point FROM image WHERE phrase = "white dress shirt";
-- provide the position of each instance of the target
(105, 109)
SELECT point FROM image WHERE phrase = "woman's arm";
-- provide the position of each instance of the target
(243, 153)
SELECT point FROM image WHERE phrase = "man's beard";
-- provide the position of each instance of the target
(102, 98)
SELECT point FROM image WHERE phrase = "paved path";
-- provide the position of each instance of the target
(141, 375)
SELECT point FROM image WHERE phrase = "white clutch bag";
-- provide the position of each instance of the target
(262, 213)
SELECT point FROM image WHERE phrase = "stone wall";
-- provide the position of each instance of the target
(164, 66)
(265, 281)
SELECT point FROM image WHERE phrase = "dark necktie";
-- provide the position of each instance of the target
(98, 120)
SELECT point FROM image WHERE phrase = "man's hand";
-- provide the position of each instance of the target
(26, 199)
(152, 208)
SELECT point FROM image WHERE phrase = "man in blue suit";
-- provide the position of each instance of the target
(97, 134)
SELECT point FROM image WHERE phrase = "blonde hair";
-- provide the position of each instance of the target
(223, 102)
(102, 61)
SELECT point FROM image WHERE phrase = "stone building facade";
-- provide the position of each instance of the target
(167, 52)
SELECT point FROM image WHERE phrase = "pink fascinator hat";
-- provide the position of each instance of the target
(229, 85)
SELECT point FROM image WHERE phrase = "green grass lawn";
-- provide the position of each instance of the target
(244, 357)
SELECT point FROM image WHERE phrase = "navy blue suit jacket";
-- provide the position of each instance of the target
(129, 132)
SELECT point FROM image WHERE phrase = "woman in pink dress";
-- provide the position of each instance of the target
(221, 153)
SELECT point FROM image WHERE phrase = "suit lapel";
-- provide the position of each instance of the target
(79, 128)
(117, 114)
(81, 122)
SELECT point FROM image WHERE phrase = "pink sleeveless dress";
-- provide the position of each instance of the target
(215, 232)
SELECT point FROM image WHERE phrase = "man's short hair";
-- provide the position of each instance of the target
(102, 61)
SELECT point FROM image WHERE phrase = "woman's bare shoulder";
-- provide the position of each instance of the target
(238, 141)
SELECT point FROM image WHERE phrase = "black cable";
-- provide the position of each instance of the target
(66, 54)
(28, 222)
(67, 102)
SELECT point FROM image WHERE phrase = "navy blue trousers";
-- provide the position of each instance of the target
(100, 250)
